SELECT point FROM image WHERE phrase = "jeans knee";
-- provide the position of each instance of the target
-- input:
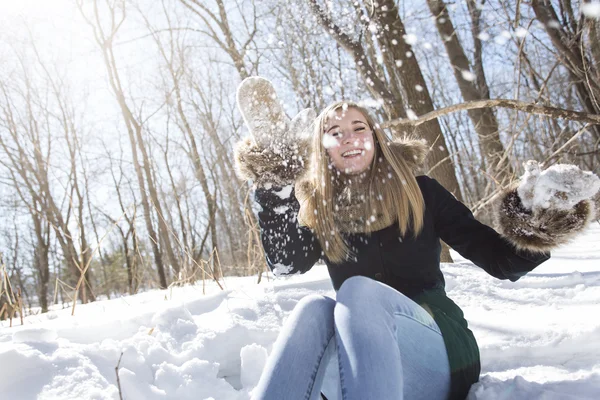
(356, 288)
(315, 308)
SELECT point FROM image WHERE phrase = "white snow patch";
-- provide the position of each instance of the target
(329, 141)
(253, 359)
(411, 114)
(410, 39)
(502, 38)
(285, 192)
(35, 334)
(281, 269)
(560, 186)
(281, 209)
(554, 24)
(539, 337)
(370, 103)
(521, 32)
(591, 10)
(467, 75)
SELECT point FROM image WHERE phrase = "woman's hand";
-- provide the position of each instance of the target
(559, 187)
(265, 118)
(548, 208)
(277, 151)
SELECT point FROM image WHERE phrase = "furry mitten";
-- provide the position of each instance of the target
(277, 150)
(547, 208)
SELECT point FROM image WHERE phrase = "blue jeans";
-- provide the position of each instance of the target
(372, 343)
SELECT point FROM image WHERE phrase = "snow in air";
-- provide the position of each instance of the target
(467, 75)
(411, 114)
(329, 141)
(560, 186)
(521, 32)
(591, 10)
(410, 39)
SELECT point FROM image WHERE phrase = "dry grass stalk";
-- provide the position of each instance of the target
(13, 302)
(203, 266)
(66, 291)
(89, 262)
(118, 380)
(187, 253)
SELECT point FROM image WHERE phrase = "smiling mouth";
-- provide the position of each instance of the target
(352, 153)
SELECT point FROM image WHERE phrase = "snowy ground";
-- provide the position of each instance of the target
(539, 337)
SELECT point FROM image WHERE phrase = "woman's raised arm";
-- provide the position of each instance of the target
(289, 247)
(273, 157)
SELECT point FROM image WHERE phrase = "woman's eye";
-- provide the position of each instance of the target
(361, 129)
(336, 134)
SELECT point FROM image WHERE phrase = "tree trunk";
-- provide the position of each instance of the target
(568, 43)
(104, 41)
(484, 120)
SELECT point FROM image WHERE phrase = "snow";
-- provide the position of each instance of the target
(560, 186)
(591, 10)
(329, 141)
(410, 39)
(539, 337)
(411, 114)
(253, 359)
(281, 209)
(521, 32)
(467, 75)
(285, 192)
(281, 269)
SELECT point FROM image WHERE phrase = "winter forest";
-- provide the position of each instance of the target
(118, 120)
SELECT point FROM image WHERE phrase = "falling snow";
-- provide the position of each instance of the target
(591, 10)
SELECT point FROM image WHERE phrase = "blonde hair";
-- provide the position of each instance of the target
(397, 195)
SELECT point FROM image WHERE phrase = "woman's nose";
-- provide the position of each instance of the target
(348, 137)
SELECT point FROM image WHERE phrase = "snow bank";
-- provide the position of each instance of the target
(539, 337)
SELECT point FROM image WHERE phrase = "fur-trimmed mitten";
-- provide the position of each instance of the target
(547, 208)
(277, 150)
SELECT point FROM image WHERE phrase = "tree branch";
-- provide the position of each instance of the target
(552, 112)
(356, 50)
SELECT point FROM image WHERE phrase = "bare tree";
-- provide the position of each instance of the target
(567, 36)
(173, 57)
(397, 79)
(217, 27)
(116, 13)
(27, 146)
(473, 86)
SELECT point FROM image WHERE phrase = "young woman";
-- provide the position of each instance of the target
(353, 200)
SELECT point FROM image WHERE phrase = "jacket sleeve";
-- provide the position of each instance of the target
(486, 248)
(289, 247)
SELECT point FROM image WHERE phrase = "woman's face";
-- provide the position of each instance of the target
(349, 141)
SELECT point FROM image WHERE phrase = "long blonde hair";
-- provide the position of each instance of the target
(397, 196)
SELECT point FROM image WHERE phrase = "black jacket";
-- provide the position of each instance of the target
(410, 265)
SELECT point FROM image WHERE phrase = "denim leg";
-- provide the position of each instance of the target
(331, 387)
(388, 346)
(297, 364)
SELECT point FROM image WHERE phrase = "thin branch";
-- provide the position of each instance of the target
(119, 380)
(552, 112)
(568, 142)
